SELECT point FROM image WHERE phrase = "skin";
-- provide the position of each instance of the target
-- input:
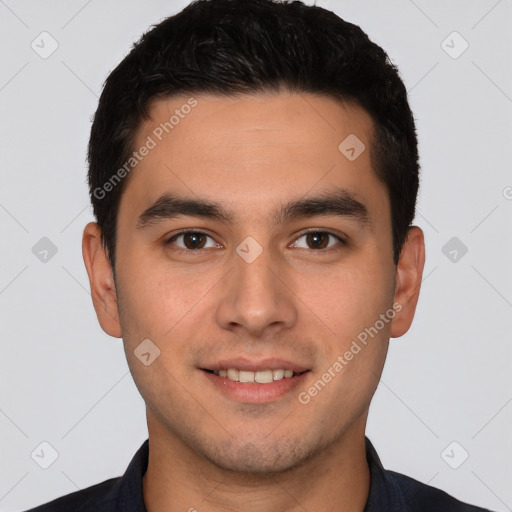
(297, 302)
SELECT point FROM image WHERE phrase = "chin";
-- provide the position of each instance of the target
(260, 455)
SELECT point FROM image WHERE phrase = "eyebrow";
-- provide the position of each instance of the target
(339, 202)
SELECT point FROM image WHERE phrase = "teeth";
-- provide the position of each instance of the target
(261, 376)
(233, 374)
(278, 374)
(244, 376)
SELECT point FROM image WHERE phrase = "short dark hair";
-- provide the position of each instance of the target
(231, 47)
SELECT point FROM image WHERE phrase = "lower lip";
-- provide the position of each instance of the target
(255, 393)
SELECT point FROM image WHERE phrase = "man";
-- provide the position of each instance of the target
(254, 173)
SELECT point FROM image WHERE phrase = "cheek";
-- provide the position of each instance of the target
(163, 303)
(155, 308)
(349, 306)
(351, 297)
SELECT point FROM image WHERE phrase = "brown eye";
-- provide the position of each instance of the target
(194, 240)
(190, 240)
(318, 240)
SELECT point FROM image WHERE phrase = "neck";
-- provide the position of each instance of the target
(178, 479)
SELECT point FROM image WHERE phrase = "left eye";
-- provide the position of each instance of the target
(317, 240)
(192, 240)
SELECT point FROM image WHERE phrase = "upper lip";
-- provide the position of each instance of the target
(253, 365)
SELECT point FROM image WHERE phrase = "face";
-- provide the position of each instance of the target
(248, 244)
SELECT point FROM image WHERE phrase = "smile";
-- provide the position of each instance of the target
(259, 376)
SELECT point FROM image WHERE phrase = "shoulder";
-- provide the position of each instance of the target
(112, 495)
(395, 492)
(100, 497)
(420, 497)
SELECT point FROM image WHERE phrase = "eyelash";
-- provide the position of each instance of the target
(195, 231)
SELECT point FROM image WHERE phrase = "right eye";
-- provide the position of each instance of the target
(191, 241)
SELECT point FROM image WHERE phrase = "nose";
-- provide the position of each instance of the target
(256, 299)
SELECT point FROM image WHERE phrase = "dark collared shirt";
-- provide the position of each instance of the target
(389, 492)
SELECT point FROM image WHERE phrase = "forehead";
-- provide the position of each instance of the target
(256, 121)
(251, 149)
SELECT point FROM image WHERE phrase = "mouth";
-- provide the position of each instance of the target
(255, 382)
(266, 376)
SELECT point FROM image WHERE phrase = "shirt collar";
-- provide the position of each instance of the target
(131, 497)
(385, 495)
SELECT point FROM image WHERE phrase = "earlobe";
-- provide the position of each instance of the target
(103, 290)
(409, 273)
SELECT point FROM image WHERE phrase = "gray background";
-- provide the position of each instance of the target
(65, 382)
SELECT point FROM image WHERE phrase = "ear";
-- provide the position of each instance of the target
(408, 281)
(103, 290)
